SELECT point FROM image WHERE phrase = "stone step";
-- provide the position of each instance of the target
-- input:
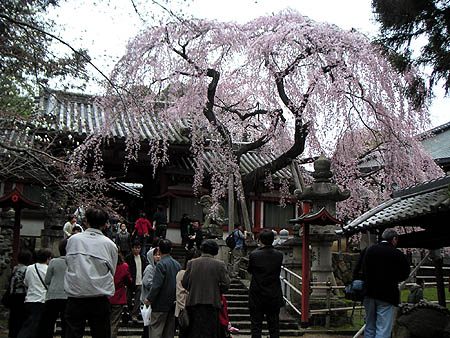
(236, 292)
(237, 303)
(130, 332)
(238, 312)
(244, 323)
(241, 334)
(233, 299)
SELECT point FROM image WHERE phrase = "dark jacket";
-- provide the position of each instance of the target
(184, 226)
(163, 292)
(123, 241)
(383, 267)
(132, 265)
(265, 288)
(205, 279)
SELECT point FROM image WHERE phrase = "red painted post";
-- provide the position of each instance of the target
(305, 269)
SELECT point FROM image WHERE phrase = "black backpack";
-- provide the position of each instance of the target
(230, 241)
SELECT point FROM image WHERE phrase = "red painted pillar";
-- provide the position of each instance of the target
(305, 269)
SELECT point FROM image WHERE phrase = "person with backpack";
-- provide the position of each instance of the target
(18, 291)
(237, 252)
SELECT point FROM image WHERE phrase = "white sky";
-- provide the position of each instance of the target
(104, 26)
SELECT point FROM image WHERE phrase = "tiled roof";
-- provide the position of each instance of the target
(129, 189)
(421, 200)
(438, 144)
(79, 114)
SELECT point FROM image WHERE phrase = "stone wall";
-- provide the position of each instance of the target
(6, 245)
(343, 264)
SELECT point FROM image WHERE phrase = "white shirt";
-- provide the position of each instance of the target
(91, 264)
(36, 290)
(67, 229)
(137, 260)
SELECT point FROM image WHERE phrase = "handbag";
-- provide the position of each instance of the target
(183, 319)
(354, 290)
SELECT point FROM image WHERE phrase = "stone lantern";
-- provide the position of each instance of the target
(319, 222)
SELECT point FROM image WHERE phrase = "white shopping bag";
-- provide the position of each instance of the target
(146, 311)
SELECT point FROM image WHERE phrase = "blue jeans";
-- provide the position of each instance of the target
(379, 317)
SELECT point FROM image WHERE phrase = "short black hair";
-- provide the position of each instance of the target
(96, 217)
(25, 257)
(266, 237)
(77, 228)
(165, 246)
(136, 244)
(42, 255)
(209, 246)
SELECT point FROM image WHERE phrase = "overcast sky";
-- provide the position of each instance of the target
(104, 27)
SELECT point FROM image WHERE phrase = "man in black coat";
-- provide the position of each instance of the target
(265, 297)
(382, 267)
(137, 264)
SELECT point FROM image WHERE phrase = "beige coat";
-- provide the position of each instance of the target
(181, 293)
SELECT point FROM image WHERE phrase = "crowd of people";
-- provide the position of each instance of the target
(97, 277)
(92, 283)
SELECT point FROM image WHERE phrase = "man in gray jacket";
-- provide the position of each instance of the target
(89, 282)
(163, 293)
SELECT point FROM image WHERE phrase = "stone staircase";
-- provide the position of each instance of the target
(237, 300)
(238, 313)
(179, 253)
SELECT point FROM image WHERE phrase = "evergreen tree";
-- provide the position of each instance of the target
(404, 21)
(28, 60)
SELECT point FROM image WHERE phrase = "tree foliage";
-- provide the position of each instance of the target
(405, 21)
(28, 60)
(283, 85)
